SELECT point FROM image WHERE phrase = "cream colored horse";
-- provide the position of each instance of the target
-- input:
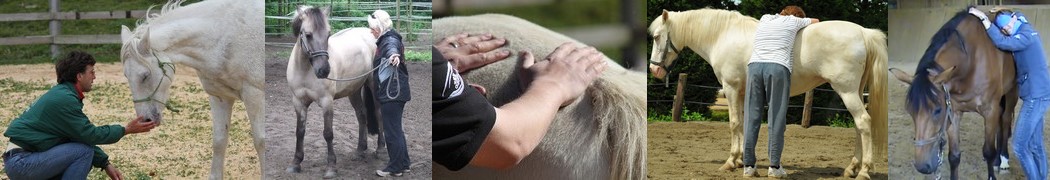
(348, 54)
(602, 136)
(228, 61)
(844, 54)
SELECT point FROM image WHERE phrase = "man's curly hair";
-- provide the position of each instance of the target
(74, 63)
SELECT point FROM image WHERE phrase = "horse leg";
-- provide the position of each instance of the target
(326, 105)
(375, 121)
(853, 102)
(1008, 103)
(254, 104)
(220, 115)
(362, 113)
(954, 152)
(301, 108)
(991, 133)
(736, 128)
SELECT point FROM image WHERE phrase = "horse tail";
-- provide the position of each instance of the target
(619, 104)
(371, 107)
(875, 41)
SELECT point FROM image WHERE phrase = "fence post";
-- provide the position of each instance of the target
(807, 109)
(55, 28)
(679, 98)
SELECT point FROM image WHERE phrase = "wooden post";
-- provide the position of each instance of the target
(807, 109)
(679, 98)
(397, 7)
(55, 29)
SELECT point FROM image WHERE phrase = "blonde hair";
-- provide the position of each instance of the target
(380, 21)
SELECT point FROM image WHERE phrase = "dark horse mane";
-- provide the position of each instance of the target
(921, 86)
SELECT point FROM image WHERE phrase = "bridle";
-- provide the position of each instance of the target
(940, 133)
(161, 65)
(310, 50)
(669, 46)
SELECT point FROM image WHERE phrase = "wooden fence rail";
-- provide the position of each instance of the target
(55, 17)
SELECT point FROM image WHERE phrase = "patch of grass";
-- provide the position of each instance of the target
(686, 116)
(842, 121)
(418, 56)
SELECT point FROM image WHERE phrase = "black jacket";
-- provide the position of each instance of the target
(387, 44)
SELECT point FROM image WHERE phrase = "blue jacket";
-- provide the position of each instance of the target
(1032, 76)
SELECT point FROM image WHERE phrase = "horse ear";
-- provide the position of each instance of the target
(901, 75)
(143, 45)
(941, 77)
(326, 11)
(125, 33)
(664, 15)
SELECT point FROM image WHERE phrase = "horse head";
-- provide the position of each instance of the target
(310, 27)
(146, 72)
(929, 104)
(664, 52)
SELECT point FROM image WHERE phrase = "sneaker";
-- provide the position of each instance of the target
(382, 173)
(777, 173)
(750, 172)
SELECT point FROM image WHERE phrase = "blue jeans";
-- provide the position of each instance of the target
(1028, 138)
(68, 161)
(395, 136)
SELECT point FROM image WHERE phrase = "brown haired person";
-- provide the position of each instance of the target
(769, 83)
(54, 138)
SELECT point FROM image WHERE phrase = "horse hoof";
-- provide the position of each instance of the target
(848, 173)
(863, 176)
(294, 169)
(329, 174)
(728, 167)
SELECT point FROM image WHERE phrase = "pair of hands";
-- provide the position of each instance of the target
(569, 70)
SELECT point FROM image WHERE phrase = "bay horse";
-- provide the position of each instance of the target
(228, 61)
(600, 136)
(844, 54)
(961, 71)
(317, 58)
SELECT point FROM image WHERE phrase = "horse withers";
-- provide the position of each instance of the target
(347, 53)
(961, 71)
(843, 54)
(228, 61)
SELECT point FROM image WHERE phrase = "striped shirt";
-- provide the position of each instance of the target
(774, 38)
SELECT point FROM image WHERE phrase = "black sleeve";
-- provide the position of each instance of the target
(462, 117)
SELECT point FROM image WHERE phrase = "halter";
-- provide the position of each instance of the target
(309, 50)
(161, 65)
(940, 133)
(670, 45)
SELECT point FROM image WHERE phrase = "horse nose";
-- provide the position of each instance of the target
(924, 167)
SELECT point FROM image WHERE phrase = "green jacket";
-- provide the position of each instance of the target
(57, 118)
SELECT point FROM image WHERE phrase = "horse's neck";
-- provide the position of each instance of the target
(189, 37)
(298, 60)
(702, 30)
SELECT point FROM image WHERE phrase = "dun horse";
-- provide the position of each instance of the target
(317, 58)
(961, 71)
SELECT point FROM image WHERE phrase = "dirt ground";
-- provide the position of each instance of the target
(180, 148)
(902, 133)
(690, 150)
(280, 116)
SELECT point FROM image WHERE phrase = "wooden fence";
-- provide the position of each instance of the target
(679, 101)
(55, 17)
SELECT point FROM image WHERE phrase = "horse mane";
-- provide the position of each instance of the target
(921, 86)
(712, 22)
(617, 105)
(142, 26)
(309, 12)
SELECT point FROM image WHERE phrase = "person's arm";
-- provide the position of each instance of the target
(813, 20)
(1010, 43)
(100, 159)
(74, 124)
(521, 124)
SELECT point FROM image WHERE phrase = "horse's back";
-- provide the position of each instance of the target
(828, 51)
(602, 136)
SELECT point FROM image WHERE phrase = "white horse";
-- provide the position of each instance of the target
(601, 136)
(227, 59)
(350, 55)
(844, 54)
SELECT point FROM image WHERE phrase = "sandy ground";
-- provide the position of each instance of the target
(902, 133)
(695, 150)
(280, 116)
(178, 149)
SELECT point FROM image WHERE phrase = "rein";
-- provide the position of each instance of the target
(161, 65)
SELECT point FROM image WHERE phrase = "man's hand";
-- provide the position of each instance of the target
(466, 52)
(980, 15)
(137, 125)
(113, 173)
(567, 72)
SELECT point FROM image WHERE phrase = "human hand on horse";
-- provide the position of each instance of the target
(567, 71)
(113, 173)
(138, 125)
(467, 52)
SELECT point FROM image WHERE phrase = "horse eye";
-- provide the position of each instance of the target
(937, 112)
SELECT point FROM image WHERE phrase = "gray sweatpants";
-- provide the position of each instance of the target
(767, 84)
